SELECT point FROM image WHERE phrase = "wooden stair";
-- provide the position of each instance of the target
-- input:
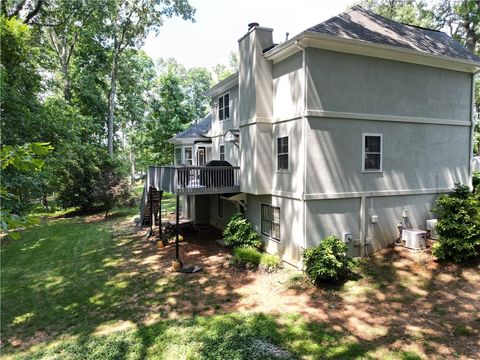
(152, 208)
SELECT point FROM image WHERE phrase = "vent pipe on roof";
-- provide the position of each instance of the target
(252, 25)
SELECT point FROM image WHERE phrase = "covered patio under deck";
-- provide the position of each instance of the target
(183, 180)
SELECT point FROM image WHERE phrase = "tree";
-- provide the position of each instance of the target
(462, 18)
(412, 12)
(178, 99)
(20, 82)
(24, 159)
(127, 25)
(29, 9)
(223, 71)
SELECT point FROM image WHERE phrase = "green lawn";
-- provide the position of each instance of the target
(67, 279)
(77, 288)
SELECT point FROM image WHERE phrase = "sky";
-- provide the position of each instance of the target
(220, 23)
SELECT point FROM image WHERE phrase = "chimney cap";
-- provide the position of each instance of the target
(252, 25)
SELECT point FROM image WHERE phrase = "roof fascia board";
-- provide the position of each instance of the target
(223, 85)
(365, 48)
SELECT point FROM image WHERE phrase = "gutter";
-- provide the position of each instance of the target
(366, 48)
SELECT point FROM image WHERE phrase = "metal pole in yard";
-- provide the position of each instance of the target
(177, 257)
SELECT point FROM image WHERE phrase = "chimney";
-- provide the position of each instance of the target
(255, 74)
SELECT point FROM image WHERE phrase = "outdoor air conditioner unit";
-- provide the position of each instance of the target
(431, 224)
(415, 239)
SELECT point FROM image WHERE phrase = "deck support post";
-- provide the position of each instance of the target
(150, 198)
(177, 228)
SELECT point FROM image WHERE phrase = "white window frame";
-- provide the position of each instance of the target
(270, 236)
(175, 150)
(185, 155)
(287, 170)
(218, 106)
(220, 151)
(364, 135)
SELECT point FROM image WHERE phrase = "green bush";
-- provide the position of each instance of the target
(87, 178)
(458, 225)
(269, 262)
(476, 181)
(240, 233)
(327, 261)
(248, 257)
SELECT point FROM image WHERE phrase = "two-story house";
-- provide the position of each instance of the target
(353, 127)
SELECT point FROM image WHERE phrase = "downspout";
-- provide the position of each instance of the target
(363, 207)
(304, 135)
(472, 131)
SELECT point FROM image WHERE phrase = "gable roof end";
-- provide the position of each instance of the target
(198, 130)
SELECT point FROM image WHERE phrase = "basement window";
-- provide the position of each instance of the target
(224, 107)
(372, 152)
(270, 221)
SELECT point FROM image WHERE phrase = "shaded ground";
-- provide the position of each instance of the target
(88, 285)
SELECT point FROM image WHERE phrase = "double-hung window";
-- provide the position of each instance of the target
(178, 156)
(222, 152)
(188, 156)
(282, 154)
(372, 152)
(224, 107)
(270, 221)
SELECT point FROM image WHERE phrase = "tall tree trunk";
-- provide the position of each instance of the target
(132, 165)
(67, 93)
(111, 103)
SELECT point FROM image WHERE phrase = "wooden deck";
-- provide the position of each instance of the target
(188, 180)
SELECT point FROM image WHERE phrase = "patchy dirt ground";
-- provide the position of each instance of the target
(400, 299)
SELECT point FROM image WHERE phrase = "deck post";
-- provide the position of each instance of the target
(150, 198)
(177, 228)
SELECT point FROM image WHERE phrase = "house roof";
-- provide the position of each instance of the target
(197, 130)
(358, 23)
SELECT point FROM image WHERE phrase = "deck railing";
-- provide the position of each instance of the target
(194, 179)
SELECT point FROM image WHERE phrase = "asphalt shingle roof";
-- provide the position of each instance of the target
(197, 130)
(361, 24)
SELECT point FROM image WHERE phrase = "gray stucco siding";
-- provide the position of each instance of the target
(361, 84)
(288, 247)
(220, 127)
(332, 217)
(415, 156)
(337, 216)
(288, 87)
(291, 180)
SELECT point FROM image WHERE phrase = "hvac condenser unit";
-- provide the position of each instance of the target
(415, 239)
(431, 227)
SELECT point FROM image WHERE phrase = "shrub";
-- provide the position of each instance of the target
(458, 225)
(87, 178)
(240, 233)
(476, 182)
(269, 262)
(327, 261)
(248, 257)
